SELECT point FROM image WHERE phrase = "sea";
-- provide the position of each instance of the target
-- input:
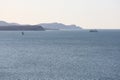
(60, 55)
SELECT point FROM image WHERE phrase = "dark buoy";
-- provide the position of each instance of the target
(22, 33)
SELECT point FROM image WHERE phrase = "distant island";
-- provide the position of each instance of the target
(39, 27)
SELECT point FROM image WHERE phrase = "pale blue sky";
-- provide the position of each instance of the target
(85, 13)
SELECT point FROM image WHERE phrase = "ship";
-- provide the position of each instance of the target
(93, 30)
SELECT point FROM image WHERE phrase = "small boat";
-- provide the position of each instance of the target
(93, 30)
(22, 33)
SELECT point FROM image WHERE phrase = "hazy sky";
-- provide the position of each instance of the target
(85, 13)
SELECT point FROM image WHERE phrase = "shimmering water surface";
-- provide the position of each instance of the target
(60, 55)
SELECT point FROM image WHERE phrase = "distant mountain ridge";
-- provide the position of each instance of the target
(59, 26)
(43, 26)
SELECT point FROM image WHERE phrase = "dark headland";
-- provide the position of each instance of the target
(23, 27)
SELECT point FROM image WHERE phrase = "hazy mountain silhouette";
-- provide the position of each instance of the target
(43, 26)
(59, 26)
(3, 23)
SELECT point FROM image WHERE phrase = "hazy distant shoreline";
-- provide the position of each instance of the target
(38, 27)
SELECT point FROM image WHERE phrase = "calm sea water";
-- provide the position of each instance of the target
(60, 55)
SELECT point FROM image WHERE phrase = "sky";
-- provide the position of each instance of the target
(99, 14)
